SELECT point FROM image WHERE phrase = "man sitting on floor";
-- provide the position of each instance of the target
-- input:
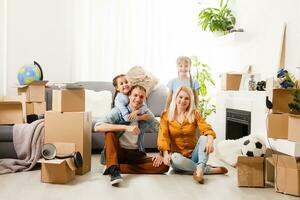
(124, 149)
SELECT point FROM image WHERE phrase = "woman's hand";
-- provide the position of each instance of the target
(198, 114)
(133, 115)
(209, 146)
(157, 160)
(167, 158)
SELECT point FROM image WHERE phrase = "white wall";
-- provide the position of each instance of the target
(39, 30)
(263, 23)
(48, 31)
(2, 47)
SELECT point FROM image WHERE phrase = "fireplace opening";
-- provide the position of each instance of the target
(238, 123)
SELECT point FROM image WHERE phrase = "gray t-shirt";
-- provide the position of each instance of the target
(129, 140)
(175, 83)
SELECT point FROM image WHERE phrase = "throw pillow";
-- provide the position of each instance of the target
(138, 76)
(99, 103)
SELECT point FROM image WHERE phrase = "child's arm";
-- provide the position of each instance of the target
(121, 103)
(143, 109)
(169, 99)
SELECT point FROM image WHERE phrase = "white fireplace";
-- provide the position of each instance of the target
(254, 102)
(251, 101)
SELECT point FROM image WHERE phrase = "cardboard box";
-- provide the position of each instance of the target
(11, 110)
(280, 99)
(35, 92)
(68, 100)
(287, 174)
(230, 81)
(294, 128)
(278, 126)
(250, 171)
(38, 108)
(71, 127)
(59, 170)
(269, 171)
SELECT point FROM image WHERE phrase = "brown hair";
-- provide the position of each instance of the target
(137, 86)
(115, 84)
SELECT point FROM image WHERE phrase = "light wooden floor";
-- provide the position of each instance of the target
(27, 185)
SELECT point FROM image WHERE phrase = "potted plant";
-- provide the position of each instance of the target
(217, 20)
(203, 75)
(295, 106)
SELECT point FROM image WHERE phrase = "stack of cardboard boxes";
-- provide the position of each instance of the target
(34, 97)
(276, 169)
(68, 124)
(282, 125)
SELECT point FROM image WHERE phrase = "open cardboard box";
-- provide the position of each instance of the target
(12, 110)
(287, 174)
(35, 92)
(74, 127)
(280, 99)
(59, 170)
(250, 171)
(68, 100)
(230, 81)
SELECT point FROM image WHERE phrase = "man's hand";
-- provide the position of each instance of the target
(144, 117)
(133, 129)
(133, 115)
(157, 160)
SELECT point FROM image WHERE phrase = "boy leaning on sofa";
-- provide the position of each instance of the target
(124, 150)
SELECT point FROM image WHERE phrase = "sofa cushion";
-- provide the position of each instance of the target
(157, 100)
(99, 103)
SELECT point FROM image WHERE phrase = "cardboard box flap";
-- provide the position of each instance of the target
(286, 161)
(52, 161)
(270, 160)
(71, 164)
(64, 148)
(33, 83)
(245, 159)
(10, 102)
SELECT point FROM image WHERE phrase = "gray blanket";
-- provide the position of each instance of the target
(28, 140)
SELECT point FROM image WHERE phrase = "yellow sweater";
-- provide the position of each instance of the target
(181, 138)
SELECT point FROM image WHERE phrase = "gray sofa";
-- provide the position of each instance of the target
(155, 102)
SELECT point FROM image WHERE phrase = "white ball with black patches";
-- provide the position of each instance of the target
(253, 147)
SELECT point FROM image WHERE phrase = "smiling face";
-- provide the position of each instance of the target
(182, 100)
(136, 98)
(123, 85)
(183, 68)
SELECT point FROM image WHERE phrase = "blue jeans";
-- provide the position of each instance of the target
(199, 158)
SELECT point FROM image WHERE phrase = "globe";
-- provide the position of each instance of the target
(29, 73)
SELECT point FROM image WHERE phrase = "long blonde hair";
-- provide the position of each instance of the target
(190, 109)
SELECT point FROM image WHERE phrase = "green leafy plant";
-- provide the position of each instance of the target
(295, 106)
(203, 75)
(217, 19)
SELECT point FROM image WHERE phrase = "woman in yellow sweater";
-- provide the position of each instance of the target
(178, 141)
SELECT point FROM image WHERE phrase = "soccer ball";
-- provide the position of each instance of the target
(253, 147)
